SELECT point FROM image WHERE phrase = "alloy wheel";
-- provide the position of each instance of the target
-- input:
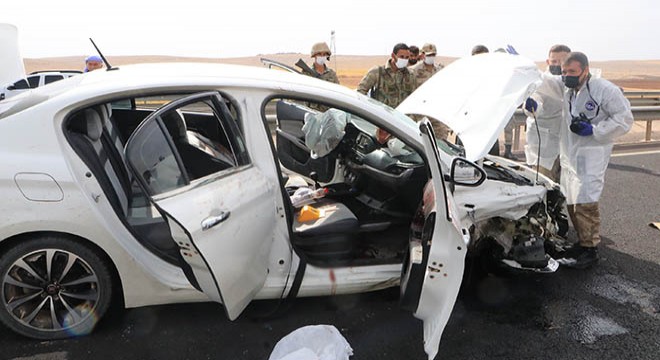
(51, 290)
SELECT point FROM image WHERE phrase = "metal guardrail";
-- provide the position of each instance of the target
(645, 106)
(643, 98)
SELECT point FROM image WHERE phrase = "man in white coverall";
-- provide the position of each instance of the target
(595, 113)
(542, 148)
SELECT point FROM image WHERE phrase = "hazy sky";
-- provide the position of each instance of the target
(604, 29)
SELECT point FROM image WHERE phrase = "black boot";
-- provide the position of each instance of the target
(588, 258)
(580, 257)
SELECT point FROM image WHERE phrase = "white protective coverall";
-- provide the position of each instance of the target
(584, 159)
(549, 96)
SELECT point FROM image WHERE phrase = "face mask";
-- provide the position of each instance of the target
(412, 61)
(429, 60)
(571, 82)
(401, 63)
(320, 60)
(555, 69)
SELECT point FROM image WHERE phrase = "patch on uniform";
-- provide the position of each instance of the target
(590, 105)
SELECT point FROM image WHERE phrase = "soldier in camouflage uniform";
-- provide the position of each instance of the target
(427, 66)
(393, 82)
(423, 71)
(414, 55)
(321, 53)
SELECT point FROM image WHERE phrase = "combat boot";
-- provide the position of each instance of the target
(588, 258)
(579, 257)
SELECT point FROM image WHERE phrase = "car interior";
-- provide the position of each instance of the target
(372, 184)
(371, 189)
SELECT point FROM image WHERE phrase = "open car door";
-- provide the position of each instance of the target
(218, 206)
(433, 271)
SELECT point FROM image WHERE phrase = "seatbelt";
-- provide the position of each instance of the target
(285, 303)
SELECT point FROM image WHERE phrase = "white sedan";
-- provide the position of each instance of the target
(167, 183)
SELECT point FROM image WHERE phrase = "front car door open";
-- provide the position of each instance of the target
(436, 263)
(217, 204)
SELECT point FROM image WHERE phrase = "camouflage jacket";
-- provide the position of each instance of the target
(422, 73)
(328, 75)
(388, 86)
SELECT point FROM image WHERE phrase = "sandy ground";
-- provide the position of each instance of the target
(630, 75)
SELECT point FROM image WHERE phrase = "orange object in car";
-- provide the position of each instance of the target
(308, 213)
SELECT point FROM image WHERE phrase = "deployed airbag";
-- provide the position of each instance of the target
(324, 131)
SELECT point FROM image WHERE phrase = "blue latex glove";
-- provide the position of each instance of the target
(511, 50)
(531, 105)
(582, 128)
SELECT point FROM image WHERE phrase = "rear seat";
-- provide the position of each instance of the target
(91, 133)
(88, 135)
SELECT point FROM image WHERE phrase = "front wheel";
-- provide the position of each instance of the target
(53, 288)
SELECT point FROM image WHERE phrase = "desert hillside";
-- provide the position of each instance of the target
(630, 75)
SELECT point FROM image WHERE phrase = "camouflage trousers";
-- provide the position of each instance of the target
(586, 221)
(554, 174)
(440, 130)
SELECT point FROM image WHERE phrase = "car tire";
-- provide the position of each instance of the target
(53, 287)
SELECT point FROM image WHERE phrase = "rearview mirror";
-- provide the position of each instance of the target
(466, 173)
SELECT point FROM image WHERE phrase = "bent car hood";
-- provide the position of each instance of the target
(476, 96)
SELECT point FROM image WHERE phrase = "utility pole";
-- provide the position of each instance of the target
(333, 46)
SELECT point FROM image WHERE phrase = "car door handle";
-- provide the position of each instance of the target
(212, 221)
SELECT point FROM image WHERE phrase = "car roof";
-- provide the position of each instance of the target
(101, 85)
(177, 74)
(58, 72)
(170, 76)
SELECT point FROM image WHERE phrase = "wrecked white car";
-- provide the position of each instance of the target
(163, 183)
(516, 218)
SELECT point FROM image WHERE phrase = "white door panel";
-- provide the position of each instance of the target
(235, 249)
(446, 261)
(221, 210)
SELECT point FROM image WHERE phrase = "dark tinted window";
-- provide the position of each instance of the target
(34, 81)
(51, 78)
(21, 85)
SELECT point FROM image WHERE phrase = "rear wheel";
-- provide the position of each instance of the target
(53, 287)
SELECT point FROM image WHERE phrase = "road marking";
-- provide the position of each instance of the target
(637, 153)
(60, 355)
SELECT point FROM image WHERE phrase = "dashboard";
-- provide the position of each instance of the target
(364, 156)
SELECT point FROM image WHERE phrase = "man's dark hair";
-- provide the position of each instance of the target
(399, 46)
(479, 49)
(559, 48)
(414, 50)
(579, 57)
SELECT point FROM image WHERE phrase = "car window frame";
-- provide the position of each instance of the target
(231, 131)
(15, 86)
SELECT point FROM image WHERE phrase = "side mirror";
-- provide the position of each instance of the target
(466, 173)
(11, 87)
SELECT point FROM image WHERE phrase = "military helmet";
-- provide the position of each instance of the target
(429, 48)
(320, 47)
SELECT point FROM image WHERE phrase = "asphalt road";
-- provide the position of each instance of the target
(611, 311)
